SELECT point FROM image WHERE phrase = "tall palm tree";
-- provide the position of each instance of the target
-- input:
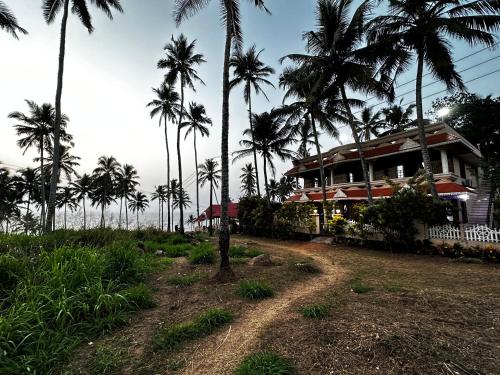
(197, 119)
(248, 180)
(252, 72)
(270, 138)
(166, 104)
(305, 136)
(82, 189)
(336, 50)
(8, 21)
(50, 10)
(9, 199)
(138, 203)
(231, 16)
(67, 198)
(421, 29)
(126, 181)
(160, 194)
(180, 64)
(174, 190)
(104, 178)
(36, 129)
(369, 124)
(210, 173)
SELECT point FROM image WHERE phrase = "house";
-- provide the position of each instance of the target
(214, 212)
(456, 165)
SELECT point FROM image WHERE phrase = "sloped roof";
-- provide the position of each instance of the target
(216, 212)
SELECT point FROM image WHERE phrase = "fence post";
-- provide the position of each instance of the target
(462, 232)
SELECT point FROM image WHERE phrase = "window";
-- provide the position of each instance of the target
(351, 177)
(401, 171)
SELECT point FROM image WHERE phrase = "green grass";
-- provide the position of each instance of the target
(314, 311)
(202, 254)
(171, 337)
(170, 250)
(106, 361)
(359, 287)
(254, 289)
(306, 267)
(265, 363)
(185, 280)
(244, 252)
(393, 287)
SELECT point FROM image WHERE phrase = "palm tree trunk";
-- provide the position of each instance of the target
(169, 227)
(137, 219)
(162, 227)
(253, 140)
(321, 168)
(421, 127)
(225, 269)
(197, 179)
(42, 177)
(159, 212)
(120, 215)
(266, 185)
(57, 125)
(179, 161)
(65, 216)
(210, 228)
(102, 215)
(126, 212)
(366, 174)
(84, 215)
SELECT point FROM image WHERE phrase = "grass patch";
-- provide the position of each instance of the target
(185, 280)
(265, 363)
(202, 254)
(306, 267)
(171, 250)
(314, 311)
(244, 252)
(253, 289)
(359, 287)
(236, 261)
(106, 361)
(171, 337)
(393, 287)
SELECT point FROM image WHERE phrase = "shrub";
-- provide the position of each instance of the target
(293, 216)
(171, 337)
(265, 363)
(202, 254)
(11, 271)
(314, 311)
(139, 296)
(253, 289)
(124, 263)
(338, 225)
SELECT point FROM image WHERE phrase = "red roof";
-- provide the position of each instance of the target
(216, 211)
(442, 188)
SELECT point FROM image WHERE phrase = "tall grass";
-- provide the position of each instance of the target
(265, 363)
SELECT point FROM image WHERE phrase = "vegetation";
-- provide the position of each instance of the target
(314, 311)
(185, 280)
(209, 173)
(169, 338)
(254, 289)
(8, 21)
(202, 254)
(359, 287)
(242, 252)
(265, 363)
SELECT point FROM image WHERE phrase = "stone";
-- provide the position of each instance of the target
(159, 253)
(262, 260)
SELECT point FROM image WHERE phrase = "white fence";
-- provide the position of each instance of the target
(478, 233)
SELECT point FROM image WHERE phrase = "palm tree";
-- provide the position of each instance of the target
(397, 118)
(179, 63)
(9, 199)
(252, 72)
(82, 189)
(286, 187)
(197, 119)
(185, 201)
(230, 14)
(369, 124)
(160, 194)
(174, 190)
(421, 28)
(248, 180)
(209, 173)
(305, 136)
(67, 198)
(104, 178)
(191, 220)
(50, 10)
(126, 181)
(67, 163)
(166, 105)
(270, 138)
(138, 203)
(8, 21)
(28, 180)
(37, 130)
(273, 189)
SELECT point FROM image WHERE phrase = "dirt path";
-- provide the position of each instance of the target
(222, 353)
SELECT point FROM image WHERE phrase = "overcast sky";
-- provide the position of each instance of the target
(109, 76)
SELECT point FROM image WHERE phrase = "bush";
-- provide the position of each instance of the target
(124, 263)
(11, 272)
(253, 289)
(338, 225)
(265, 363)
(293, 216)
(314, 311)
(256, 216)
(202, 254)
(139, 296)
(171, 337)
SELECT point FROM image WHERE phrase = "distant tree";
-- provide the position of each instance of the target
(67, 163)
(197, 119)
(253, 73)
(28, 180)
(50, 9)
(67, 199)
(104, 184)
(160, 194)
(185, 201)
(210, 173)
(191, 220)
(286, 187)
(179, 63)
(273, 189)
(126, 183)
(9, 199)
(397, 118)
(82, 189)
(369, 124)
(138, 203)
(8, 21)
(248, 180)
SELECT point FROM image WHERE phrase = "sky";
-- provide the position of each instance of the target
(109, 76)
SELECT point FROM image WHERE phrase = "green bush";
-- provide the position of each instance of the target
(265, 363)
(253, 289)
(293, 216)
(338, 225)
(124, 263)
(202, 254)
(171, 337)
(11, 272)
(314, 311)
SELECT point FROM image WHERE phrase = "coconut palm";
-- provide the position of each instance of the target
(286, 187)
(67, 198)
(67, 162)
(305, 136)
(82, 189)
(160, 194)
(104, 178)
(166, 105)
(252, 72)
(397, 118)
(50, 9)
(270, 138)
(174, 190)
(185, 201)
(138, 203)
(248, 180)
(36, 129)
(191, 220)
(180, 64)
(209, 173)
(369, 124)
(28, 181)
(231, 17)
(9, 199)
(197, 119)
(126, 183)
(8, 21)
(421, 29)
(273, 189)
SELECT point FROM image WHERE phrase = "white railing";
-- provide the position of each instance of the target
(445, 232)
(478, 233)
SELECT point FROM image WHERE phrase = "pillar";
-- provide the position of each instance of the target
(370, 170)
(444, 162)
